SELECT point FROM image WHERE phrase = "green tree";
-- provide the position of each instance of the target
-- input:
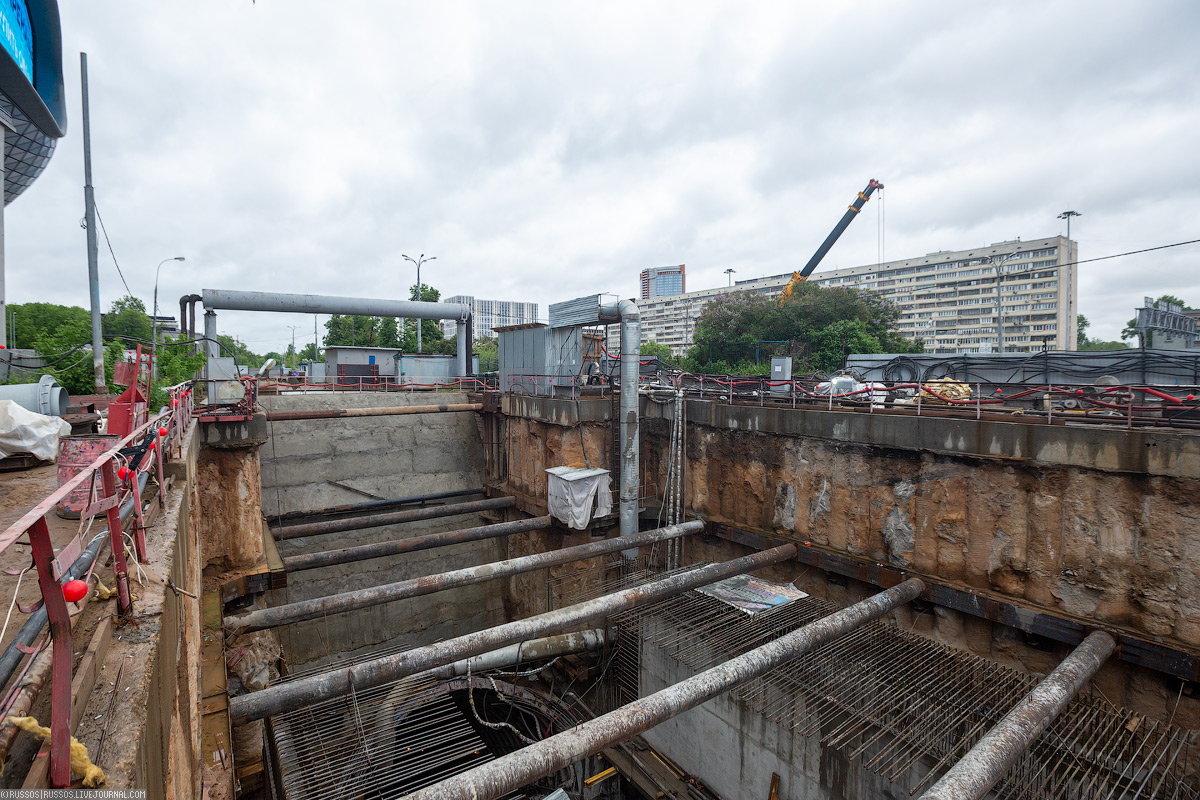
(662, 351)
(432, 339)
(1087, 343)
(488, 350)
(387, 332)
(34, 321)
(308, 353)
(177, 362)
(231, 348)
(817, 326)
(73, 370)
(126, 319)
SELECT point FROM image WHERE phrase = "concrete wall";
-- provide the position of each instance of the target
(1098, 524)
(395, 456)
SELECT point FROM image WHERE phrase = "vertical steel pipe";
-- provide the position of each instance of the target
(631, 347)
(412, 544)
(520, 768)
(319, 607)
(289, 696)
(988, 761)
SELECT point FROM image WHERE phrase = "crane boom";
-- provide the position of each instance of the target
(851, 212)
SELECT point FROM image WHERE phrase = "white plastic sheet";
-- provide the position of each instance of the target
(572, 491)
(23, 431)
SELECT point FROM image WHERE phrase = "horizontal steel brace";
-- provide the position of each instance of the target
(1130, 649)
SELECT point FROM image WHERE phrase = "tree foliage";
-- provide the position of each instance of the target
(817, 326)
(1087, 343)
(661, 351)
(34, 321)
(126, 319)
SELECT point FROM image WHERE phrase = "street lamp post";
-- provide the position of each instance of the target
(294, 360)
(154, 318)
(419, 260)
(1072, 323)
(730, 272)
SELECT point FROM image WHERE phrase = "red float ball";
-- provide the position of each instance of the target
(174, 403)
(122, 473)
(1079, 391)
(1191, 397)
(74, 591)
(999, 391)
(162, 431)
(151, 447)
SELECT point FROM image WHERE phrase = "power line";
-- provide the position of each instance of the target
(104, 230)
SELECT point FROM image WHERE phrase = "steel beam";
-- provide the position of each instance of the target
(508, 773)
(302, 692)
(373, 506)
(386, 411)
(393, 518)
(428, 584)
(989, 760)
(345, 555)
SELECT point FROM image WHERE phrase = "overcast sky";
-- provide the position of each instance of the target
(544, 151)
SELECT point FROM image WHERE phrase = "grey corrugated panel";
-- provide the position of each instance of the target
(1158, 367)
(580, 311)
(522, 353)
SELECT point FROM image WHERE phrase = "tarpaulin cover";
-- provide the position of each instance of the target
(23, 431)
(574, 490)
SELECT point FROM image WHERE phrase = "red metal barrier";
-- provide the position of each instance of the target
(113, 490)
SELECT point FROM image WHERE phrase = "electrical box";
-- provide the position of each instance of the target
(781, 371)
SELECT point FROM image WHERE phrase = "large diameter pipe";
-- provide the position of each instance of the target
(387, 411)
(523, 652)
(517, 769)
(990, 759)
(374, 506)
(346, 555)
(284, 697)
(428, 584)
(393, 518)
(631, 346)
(232, 300)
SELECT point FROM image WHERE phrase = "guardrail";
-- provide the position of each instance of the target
(114, 479)
(1127, 405)
(381, 384)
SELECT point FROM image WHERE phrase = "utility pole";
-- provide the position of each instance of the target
(316, 342)
(421, 259)
(1071, 321)
(89, 202)
(293, 327)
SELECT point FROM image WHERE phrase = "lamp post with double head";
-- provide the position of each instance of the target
(154, 318)
(419, 260)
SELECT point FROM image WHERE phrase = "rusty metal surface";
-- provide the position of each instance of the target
(1131, 649)
(390, 518)
(296, 694)
(386, 411)
(374, 505)
(515, 770)
(412, 544)
(76, 453)
(428, 584)
(990, 760)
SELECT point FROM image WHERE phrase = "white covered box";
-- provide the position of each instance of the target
(573, 491)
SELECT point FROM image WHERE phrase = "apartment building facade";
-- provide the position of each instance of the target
(663, 281)
(1014, 297)
(487, 315)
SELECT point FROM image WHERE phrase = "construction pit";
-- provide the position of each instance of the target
(365, 594)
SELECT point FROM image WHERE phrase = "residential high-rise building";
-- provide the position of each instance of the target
(1013, 297)
(487, 315)
(663, 281)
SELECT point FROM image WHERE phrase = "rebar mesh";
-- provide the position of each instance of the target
(905, 707)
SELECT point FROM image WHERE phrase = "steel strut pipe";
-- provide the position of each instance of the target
(428, 584)
(393, 518)
(517, 769)
(990, 759)
(284, 697)
(386, 411)
(523, 652)
(373, 506)
(345, 555)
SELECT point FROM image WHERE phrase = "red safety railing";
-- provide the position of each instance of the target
(381, 384)
(118, 471)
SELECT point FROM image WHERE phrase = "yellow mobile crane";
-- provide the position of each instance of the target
(851, 212)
